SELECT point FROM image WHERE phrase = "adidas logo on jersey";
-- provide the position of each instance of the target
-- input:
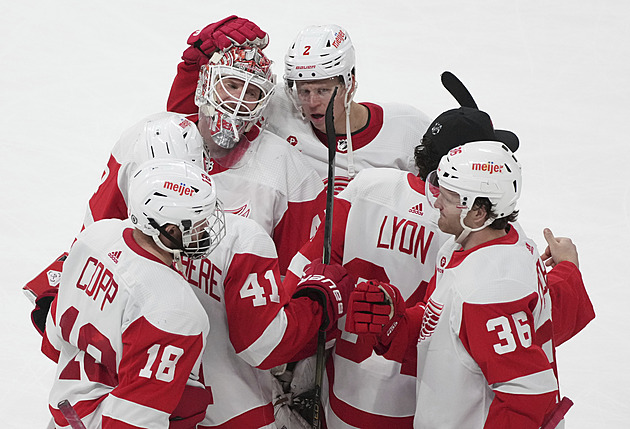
(417, 209)
(114, 256)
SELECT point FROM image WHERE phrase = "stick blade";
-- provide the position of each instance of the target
(458, 90)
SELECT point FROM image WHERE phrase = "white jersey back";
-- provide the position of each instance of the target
(128, 331)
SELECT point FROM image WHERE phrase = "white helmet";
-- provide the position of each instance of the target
(480, 169)
(169, 191)
(320, 52)
(169, 135)
(237, 114)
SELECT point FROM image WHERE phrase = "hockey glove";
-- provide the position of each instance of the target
(191, 408)
(228, 32)
(42, 308)
(330, 285)
(375, 308)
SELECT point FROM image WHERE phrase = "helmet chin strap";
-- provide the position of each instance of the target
(177, 258)
(348, 103)
(467, 230)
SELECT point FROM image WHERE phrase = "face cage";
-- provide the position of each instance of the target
(231, 118)
(202, 237)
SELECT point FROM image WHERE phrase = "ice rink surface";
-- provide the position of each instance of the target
(76, 74)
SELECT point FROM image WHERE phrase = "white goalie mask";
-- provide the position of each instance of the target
(233, 90)
(169, 191)
(478, 169)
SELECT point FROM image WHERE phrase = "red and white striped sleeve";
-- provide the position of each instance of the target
(517, 370)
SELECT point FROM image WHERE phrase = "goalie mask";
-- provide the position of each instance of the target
(167, 191)
(478, 169)
(232, 92)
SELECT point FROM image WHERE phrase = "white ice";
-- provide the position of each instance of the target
(75, 74)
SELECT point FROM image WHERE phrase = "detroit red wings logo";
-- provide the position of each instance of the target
(243, 210)
(341, 182)
(431, 317)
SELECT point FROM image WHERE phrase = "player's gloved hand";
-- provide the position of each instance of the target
(191, 408)
(330, 285)
(228, 32)
(375, 308)
(42, 308)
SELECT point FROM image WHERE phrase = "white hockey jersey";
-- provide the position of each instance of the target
(126, 331)
(388, 140)
(384, 229)
(277, 188)
(253, 325)
(486, 357)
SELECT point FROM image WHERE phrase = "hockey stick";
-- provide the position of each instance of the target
(70, 414)
(330, 194)
(458, 90)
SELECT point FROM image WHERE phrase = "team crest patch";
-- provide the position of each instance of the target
(54, 277)
(292, 140)
(243, 211)
(430, 319)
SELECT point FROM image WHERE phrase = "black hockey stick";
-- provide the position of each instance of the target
(70, 414)
(458, 90)
(330, 195)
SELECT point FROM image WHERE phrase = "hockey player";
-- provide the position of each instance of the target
(256, 322)
(380, 135)
(126, 330)
(484, 342)
(228, 88)
(385, 229)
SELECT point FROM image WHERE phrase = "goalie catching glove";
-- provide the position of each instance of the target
(230, 31)
(375, 308)
(330, 285)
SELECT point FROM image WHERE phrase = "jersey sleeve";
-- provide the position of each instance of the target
(181, 99)
(501, 339)
(571, 306)
(277, 327)
(314, 248)
(154, 369)
(306, 201)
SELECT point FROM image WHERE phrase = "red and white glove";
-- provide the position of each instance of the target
(328, 284)
(375, 308)
(230, 31)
